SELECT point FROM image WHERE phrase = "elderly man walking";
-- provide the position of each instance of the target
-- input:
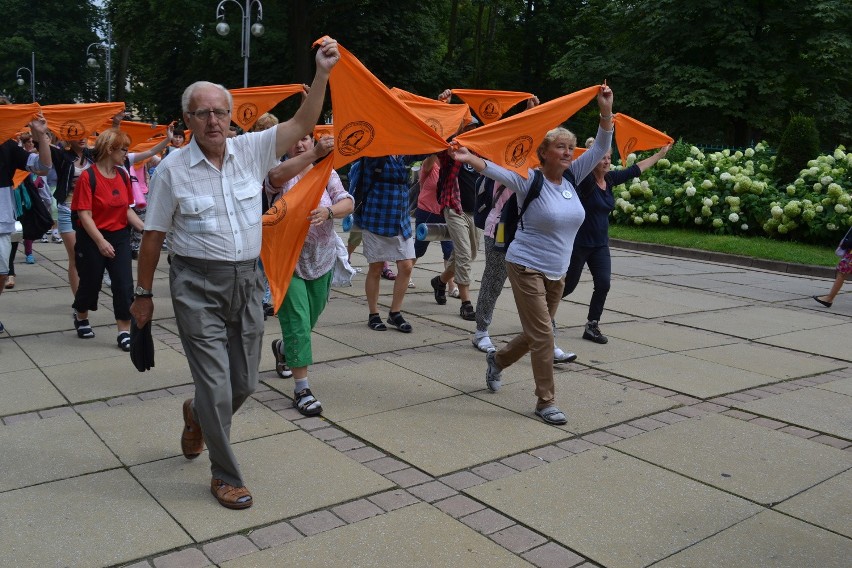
(208, 195)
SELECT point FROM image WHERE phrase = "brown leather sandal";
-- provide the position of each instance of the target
(230, 496)
(192, 439)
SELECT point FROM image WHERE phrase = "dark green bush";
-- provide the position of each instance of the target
(799, 143)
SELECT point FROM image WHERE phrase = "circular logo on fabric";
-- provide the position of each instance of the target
(436, 126)
(490, 109)
(631, 143)
(71, 130)
(247, 112)
(275, 214)
(517, 151)
(355, 137)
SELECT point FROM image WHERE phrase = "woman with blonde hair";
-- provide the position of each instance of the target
(103, 206)
(537, 259)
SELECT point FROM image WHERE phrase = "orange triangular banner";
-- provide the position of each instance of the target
(139, 132)
(490, 106)
(369, 121)
(285, 227)
(19, 177)
(512, 142)
(445, 119)
(13, 118)
(633, 136)
(321, 130)
(146, 145)
(251, 102)
(78, 121)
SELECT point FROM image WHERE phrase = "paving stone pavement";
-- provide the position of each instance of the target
(714, 429)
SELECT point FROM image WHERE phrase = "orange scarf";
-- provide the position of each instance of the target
(251, 102)
(285, 227)
(490, 106)
(14, 117)
(321, 130)
(445, 119)
(633, 136)
(140, 132)
(373, 123)
(78, 121)
(512, 142)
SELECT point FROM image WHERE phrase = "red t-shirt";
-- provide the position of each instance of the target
(112, 198)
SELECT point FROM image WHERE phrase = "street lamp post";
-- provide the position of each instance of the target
(91, 61)
(248, 29)
(31, 70)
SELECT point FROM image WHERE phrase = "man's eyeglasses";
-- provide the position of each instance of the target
(204, 114)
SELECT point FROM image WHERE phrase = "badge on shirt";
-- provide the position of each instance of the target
(566, 194)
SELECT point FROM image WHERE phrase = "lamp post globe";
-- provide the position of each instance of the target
(257, 29)
(222, 28)
(20, 81)
(92, 62)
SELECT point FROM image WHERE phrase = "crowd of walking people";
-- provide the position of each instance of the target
(203, 201)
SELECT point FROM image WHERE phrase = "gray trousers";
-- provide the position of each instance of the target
(220, 321)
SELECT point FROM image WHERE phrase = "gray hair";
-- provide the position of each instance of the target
(552, 136)
(187, 94)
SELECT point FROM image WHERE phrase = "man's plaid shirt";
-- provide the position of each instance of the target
(384, 210)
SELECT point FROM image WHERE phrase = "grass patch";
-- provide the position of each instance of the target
(755, 247)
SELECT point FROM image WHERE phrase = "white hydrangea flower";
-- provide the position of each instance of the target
(825, 180)
(841, 209)
(819, 208)
(831, 227)
(744, 227)
(664, 219)
(707, 201)
(690, 191)
(667, 200)
(733, 217)
(759, 147)
(726, 176)
(716, 170)
(749, 153)
(698, 220)
(777, 212)
(717, 223)
(706, 212)
(706, 184)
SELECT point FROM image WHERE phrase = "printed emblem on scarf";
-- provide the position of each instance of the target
(517, 151)
(276, 213)
(631, 143)
(247, 112)
(355, 137)
(71, 130)
(435, 125)
(490, 109)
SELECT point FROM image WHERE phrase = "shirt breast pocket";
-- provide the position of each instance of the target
(198, 214)
(248, 202)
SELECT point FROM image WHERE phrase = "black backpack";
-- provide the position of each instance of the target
(510, 216)
(356, 186)
(485, 200)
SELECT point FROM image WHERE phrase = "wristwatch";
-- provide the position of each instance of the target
(141, 292)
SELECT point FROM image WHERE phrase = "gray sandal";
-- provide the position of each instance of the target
(551, 415)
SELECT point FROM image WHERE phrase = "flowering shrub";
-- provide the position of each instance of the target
(734, 193)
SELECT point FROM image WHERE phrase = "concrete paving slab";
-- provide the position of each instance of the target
(827, 341)
(843, 386)
(14, 358)
(615, 350)
(149, 431)
(614, 509)
(589, 403)
(26, 390)
(664, 336)
(828, 505)
(754, 462)
(364, 339)
(288, 474)
(460, 366)
(59, 348)
(368, 388)
(757, 321)
(646, 307)
(776, 363)
(342, 311)
(27, 312)
(322, 347)
(812, 408)
(768, 540)
(116, 376)
(688, 375)
(447, 435)
(38, 451)
(102, 519)
(418, 536)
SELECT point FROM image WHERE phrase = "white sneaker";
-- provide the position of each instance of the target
(560, 356)
(107, 280)
(483, 344)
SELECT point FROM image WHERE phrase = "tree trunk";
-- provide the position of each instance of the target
(300, 40)
(451, 33)
(121, 73)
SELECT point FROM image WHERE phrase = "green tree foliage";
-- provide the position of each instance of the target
(720, 71)
(799, 141)
(58, 32)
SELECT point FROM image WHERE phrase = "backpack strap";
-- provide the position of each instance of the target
(532, 194)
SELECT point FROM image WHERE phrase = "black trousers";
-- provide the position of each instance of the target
(91, 265)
